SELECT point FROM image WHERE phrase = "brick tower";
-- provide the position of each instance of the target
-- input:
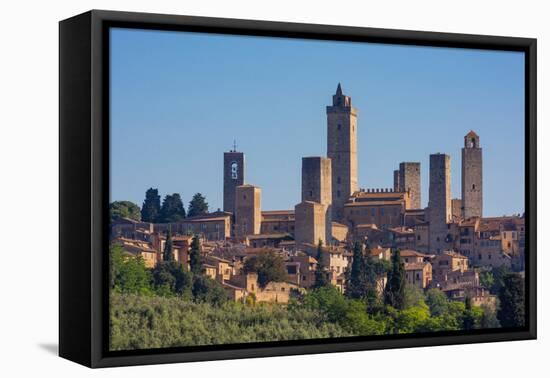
(342, 150)
(233, 176)
(439, 205)
(472, 177)
(408, 180)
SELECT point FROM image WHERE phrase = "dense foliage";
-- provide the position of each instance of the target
(321, 274)
(269, 266)
(150, 210)
(512, 301)
(172, 209)
(197, 205)
(124, 209)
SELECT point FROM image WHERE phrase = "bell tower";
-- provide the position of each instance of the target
(472, 177)
(342, 150)
(233, 176)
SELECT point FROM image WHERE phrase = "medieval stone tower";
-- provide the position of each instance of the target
(472, 177)
(407, 179)
(439, 205)
(342, 150)
(233, 176)
(248, 210)
(314, 214)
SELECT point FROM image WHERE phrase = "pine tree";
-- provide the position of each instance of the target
(172, 209)
(150, 210)
(321, 279)
(394, 294)
(197, 206)
(168, 254)
(195, 258)
(512, 301)
(356, 282)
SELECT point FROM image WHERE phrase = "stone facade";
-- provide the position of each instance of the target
(317, 180)
(409, 181)
(382, 207)
(342, 150)
(233, 176)
(472, 177)
(311, 223)
(248, 213)
(456, 210)
(439, 206)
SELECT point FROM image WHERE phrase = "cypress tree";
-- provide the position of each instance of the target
(512, 301)
(150, 210)
(168, 254)
(321, 279)
(468, 319)
(195, 258)
(394, 294)
(356, 281)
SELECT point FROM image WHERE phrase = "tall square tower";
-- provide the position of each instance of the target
(248, 210)
(233, 176)
(439, 205)
(472, 177)
(342, 150)
(317, 179)
(409, 181)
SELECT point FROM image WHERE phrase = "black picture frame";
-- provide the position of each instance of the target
(84, 185)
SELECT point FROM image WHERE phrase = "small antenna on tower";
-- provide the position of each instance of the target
(234, 145)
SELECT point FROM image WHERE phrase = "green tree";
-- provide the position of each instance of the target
(356, 280)
(468, 319)
(413, 296)
(197, 205)
(124, 209)
(128, 273)
(168, 253)
(195, 256)
(172, 209)
(512, 301)
(269, 266)
(394, 294)
(437, 302)
(171, 278)
(150, 210)
(207, 290)
(321, 278)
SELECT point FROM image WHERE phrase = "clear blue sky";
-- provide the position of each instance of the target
(178, 100)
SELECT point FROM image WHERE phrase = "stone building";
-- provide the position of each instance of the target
(248, 213)
(439, 205)
(233, 176)
(342, 150)
(456, 210)
(313, 218)
(277, 221)
(311, 223)
(408, 180)
(382, 207)
(472, 177)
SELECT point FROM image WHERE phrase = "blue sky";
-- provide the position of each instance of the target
(178, 100)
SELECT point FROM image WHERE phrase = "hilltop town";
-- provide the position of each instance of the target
(447, 245)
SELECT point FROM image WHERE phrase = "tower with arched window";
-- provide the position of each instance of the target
(472, 177)
(342, 150)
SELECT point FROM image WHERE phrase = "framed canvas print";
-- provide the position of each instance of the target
(234, 188)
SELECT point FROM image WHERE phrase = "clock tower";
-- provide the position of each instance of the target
(233, 176)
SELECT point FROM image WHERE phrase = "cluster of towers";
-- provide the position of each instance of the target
(328, 183)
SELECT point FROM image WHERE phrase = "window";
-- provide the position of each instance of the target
(418, 237)
(339, 127)
(311, 193)
(234, 170)
(338, 180)
(382, 211)
(473, 186)
(338, 193)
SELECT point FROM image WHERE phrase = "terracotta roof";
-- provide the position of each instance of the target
(411, 252)
(416, 265)
(471, 134)
(454, 254)
(269, 236)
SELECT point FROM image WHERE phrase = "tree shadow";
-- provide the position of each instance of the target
(52, 348)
